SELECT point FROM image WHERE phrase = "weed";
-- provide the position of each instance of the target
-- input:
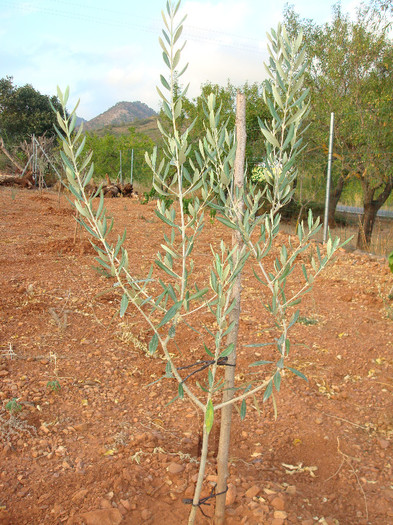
(158, 450)
(13, 406)
(9, 353)
(54, 385)
(59, 319)
(385, 299)
(11, 426)
(152, 194)
(126, 336)
(307, 321)
(148, 195)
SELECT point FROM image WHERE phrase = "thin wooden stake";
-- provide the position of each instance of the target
(237, 242)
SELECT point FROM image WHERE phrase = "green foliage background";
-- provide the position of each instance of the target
(24, 111)
(106, 156)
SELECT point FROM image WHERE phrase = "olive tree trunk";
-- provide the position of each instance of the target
(334, 198)
(371, 207)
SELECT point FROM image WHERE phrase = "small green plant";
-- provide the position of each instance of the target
(13, 406)
(211, 177)
(148, 195)
(54, 385)
(307, 321)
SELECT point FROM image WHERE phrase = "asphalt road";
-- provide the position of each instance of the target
(359, 211)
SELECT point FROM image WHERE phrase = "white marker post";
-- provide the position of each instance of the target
(329, 177)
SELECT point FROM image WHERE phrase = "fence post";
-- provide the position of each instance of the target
(329, 177)
(132, 164)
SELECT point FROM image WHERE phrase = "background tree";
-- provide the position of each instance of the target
(107, 150)
(24, 111)
(226, 100)
(348, 74)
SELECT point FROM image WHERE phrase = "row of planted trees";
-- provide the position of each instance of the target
(171, 298)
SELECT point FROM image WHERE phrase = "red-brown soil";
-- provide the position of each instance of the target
(106, 449)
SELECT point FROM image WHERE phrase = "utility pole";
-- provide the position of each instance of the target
(329, 177)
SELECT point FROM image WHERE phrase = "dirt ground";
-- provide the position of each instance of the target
(92, 444)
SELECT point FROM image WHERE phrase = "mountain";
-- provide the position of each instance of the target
(79, 121)
(120, 113)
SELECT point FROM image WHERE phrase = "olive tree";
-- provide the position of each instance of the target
(206, 177)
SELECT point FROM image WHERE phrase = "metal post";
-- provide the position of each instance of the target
(329, 177)
(132, 164)
(120, 172)
(34, 159)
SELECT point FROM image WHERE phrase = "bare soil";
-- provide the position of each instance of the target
(107, 449)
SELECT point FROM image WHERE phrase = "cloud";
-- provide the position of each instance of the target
(222, 51)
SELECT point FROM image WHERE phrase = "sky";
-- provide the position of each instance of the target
(108, 51)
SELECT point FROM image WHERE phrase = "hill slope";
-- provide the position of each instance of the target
(120, 113)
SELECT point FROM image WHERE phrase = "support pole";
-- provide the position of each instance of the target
(34, 170)
(132, 165)
(237, 244)
(329, 177)
(120, 172)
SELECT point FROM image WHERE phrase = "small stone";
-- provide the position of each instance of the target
(79, 496)
(105, 504)
(44, 429)
(175, 468)
(4, 373)
(102, 517)
(277, 521)
(126, 504)
(388, 493)
(253, 491)
(189, 492)
(231, 494)
(81, 427)
(146, 514)
(383, 443)
(122, 509)
(309, 521)
(212, 477)
(291, 490)
(280, 515)
(57, 509)
(278, 503)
